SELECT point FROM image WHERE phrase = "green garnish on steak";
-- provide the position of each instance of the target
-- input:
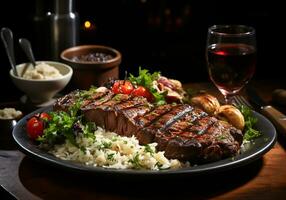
(145, 78)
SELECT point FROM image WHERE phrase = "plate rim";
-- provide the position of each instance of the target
(221, 165)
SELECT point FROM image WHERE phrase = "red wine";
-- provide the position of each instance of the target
(231, 66)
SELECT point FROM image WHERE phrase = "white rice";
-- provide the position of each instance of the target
(110, 150)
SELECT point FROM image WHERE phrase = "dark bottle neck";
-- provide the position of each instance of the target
(64, 6)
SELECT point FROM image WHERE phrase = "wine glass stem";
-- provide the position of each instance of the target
(227, 99)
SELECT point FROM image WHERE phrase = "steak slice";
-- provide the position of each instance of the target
(208, 140)
(126, 119)
(178, 127)
(115, 114)
(97, 96)
(147, 134)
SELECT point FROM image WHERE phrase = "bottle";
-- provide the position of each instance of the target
(63, 27)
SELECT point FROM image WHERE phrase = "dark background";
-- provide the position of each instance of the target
(161, 35)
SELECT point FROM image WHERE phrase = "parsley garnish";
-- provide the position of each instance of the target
(221, 137)
(110, 157)
(148, 149)
(249, 131)
(89, 129)
(59, 127)
(86, 94)
(107, 145)
(83, 149)
(145, 78)
(136, 162)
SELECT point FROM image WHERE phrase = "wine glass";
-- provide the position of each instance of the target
(231, 57)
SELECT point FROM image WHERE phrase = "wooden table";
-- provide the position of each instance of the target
(264, 178)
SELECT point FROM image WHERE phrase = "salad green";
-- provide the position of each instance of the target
(250, 132)
(146, 79)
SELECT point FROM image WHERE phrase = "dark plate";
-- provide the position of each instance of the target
(252, 152)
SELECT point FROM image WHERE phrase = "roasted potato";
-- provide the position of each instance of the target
(206, 102)
(232, 115)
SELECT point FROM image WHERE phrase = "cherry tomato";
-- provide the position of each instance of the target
(142, 91)
(122, 87)
(36, 125)
(45, 116)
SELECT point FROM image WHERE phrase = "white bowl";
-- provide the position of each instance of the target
(40, 91)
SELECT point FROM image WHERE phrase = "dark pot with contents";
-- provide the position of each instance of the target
(92, 64)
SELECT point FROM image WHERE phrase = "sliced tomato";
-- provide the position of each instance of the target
(122, 87)
(144, 92)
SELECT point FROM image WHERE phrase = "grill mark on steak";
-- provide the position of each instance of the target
(170, 117)
(148, 133)
(209, 140)
(201, 125)
(135, 101)
(94, 97)
(118, 113)
(65, 102)
(153, 115)
(117, 99)
(178, 127)
(173, 118)
(135, 111)
(185, 122)
(126, 119)
(98, 102)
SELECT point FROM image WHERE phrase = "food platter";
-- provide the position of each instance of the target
(250, 152)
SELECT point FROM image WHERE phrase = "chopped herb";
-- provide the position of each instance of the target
(89, 129)
(73, 110)
(148, 149)
(221, 137)
(136, 162)
(249, 132)
(107, 145)
(114, 139)
(83, 149)
(200, 132)
(125, 142)
(110, 156)
(160, 166)
(86, 94)
(117, 97)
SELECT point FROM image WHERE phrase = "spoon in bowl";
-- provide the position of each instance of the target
(27, 48)
(7, 38)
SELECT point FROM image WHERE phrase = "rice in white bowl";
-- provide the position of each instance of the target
(109, 150)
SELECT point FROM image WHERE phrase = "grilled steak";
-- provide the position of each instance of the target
(182, 131)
